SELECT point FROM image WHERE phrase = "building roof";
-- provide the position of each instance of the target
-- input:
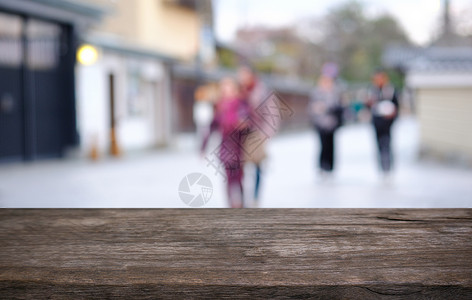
(425, 65)
(440, 67)
(74, 12)
(400, 56)
(122, 47)
(443, 59)
(429, 59)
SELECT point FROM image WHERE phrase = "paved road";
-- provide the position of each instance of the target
(151, 179)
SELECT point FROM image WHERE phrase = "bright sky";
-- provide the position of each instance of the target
(420, 18)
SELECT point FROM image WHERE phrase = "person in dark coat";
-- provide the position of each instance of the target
(383, 102)
(326, 114)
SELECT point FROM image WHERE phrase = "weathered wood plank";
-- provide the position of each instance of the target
(267, 253)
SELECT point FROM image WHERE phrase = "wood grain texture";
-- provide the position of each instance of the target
(224, 253)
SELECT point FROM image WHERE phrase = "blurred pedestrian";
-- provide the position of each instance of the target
(383, 103)
(230, 113)
(203, 110)
(326, 114)
(254, 92)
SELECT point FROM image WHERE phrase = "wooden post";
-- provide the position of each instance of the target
(114, 147)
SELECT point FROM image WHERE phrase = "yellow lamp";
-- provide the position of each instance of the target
(87, 55)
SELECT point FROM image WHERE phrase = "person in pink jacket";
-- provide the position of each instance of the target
(230, 113)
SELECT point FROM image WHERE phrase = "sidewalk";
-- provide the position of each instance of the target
(151, 179)
(357, 181)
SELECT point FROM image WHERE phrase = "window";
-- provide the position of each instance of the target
(43, 45)
(11, 50)
(136, 98)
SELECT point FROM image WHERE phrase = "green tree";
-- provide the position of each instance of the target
(356, 42)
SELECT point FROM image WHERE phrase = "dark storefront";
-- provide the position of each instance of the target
(38, 41)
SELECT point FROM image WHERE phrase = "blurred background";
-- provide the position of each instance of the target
(98, 98)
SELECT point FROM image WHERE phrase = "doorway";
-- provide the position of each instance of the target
(37, 105)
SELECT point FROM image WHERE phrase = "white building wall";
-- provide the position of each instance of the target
(92, 107)
(135, 131)
(445, 116)
(444, 107)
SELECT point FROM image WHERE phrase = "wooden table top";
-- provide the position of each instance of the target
(236, 253)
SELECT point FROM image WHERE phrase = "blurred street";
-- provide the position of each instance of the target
(151, 179)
